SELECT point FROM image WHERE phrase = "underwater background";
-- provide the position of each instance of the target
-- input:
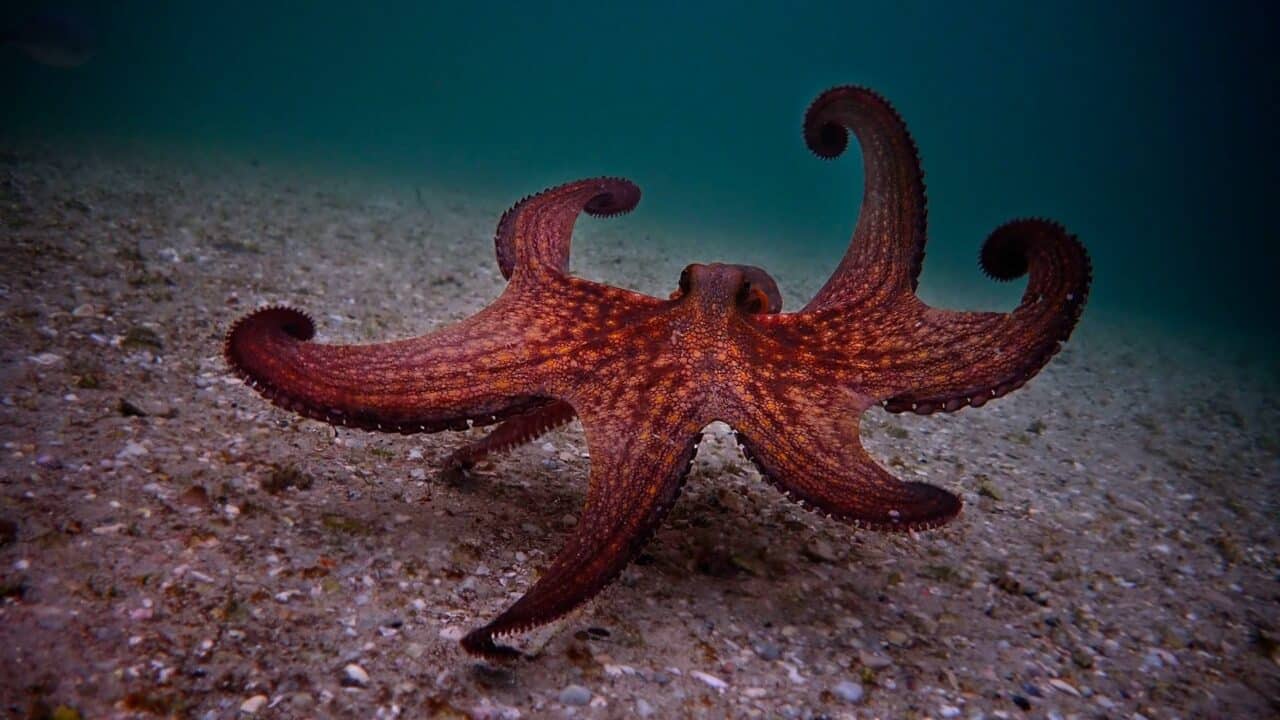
(173, 544)
(1146, 128)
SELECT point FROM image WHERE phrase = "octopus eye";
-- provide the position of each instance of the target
(752, 299)
(684, 281)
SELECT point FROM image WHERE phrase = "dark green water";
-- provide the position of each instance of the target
(1148, 129)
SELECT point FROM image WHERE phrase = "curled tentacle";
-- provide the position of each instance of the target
(514, 431)
(982, 356)
(887, 248)
(536, 231)
(436, 382)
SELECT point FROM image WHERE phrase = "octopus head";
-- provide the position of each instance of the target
(743, 287)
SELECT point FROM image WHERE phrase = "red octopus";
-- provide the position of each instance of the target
(645, 375)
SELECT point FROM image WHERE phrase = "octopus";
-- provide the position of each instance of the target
(646, 375)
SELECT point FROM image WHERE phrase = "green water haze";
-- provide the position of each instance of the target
(1146, 128)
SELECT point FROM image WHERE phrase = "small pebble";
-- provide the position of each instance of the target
(848, 691)
(768, 651)
(253, 704)
(1064, 686)
(132, 449)
(354, 676)
(949, 711)
(711, 680)
(643, 708)
(818, 550)
(575, 695)
(875, 661)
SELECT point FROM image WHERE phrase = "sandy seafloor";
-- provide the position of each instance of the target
(173, 545)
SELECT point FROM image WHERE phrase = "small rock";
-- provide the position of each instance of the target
(140, 336)
(793, 673)
(127, 408)
(1064, 686)
(897, 637)
(575, 695)
(949, 711)
(195, 497)
(354, 676)
(253, 704)
(768, 651)
(132, 449)
(48, 462)
(986, 489)
(643, 708)
(875, 661)
(710, 680)
(46, 359)
(819, 550)
(849, 691)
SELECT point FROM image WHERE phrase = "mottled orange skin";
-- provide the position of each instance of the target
(645, 375)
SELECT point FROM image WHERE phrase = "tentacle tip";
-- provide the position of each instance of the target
(1003, 258)
(827, 140)
(296, 323)
(480, 644)
(617, 196)
(824, 132)
(933, 508)
(1006, 252)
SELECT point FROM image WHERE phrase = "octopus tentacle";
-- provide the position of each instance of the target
(536, 231)
(808, 448)
(637, 470)
(449, 379)
(970, 358)
(514, 431)
(887, 248)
